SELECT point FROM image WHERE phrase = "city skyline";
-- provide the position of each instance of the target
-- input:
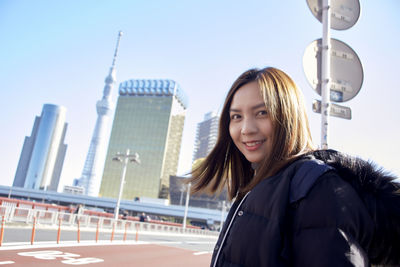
(59, 53)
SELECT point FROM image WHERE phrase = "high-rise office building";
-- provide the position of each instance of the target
(43, 153)
(206, 135)
(91, 175)
(178, 195)
(149, 120)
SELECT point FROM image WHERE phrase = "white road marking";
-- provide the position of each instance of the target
(6, 262)
(66, 257)
(167, 242)
(199, 242)
(201, 253)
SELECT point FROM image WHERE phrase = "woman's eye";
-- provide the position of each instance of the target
(235, 116)
(262, 112)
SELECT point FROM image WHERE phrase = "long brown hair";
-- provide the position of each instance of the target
(226, 165)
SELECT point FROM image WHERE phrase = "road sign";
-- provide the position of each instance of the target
(344, 13)
(346, 71)
(335, 110)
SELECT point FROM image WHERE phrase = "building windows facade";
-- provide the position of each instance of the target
(148, 120)
(206, 135)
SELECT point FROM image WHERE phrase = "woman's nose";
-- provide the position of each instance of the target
(248, 127)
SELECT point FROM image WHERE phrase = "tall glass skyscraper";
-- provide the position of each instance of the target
(206, 135)
(148, 120)
(43, 153)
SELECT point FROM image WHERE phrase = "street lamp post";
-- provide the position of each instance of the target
(182, 188)
(124, 158)
(186, 205)
(9, 192)
(325, 72)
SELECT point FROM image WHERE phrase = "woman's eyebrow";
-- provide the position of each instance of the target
(261, 105)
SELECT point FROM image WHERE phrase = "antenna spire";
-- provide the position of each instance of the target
(116, 49)
(92, 170)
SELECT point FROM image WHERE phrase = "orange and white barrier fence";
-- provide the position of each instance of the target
(45, 218)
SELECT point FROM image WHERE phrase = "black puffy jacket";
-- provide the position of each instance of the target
(325, 209)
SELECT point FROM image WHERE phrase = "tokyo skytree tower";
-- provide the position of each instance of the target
(92, 170)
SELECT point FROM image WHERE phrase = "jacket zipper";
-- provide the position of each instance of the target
(227, 230)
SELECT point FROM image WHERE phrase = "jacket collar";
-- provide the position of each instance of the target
(380, 193)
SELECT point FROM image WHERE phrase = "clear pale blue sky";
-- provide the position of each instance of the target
(59, 52)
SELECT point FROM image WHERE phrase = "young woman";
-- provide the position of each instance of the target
(293, 205)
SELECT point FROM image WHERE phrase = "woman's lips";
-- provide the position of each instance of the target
(253, 145)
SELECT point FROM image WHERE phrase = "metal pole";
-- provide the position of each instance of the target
(137, 232)
(59, 230)
(186, 206)
(33, 230)
(113, 231)
(44, 193)
(121, 186)
(2, 230)
(325, 72)
(97, 231)
(222, 216)
(79, 231)
(180, 200)
(126, 228)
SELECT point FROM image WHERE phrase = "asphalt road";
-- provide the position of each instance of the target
(104, 255)
(24, 234)
(150, 249)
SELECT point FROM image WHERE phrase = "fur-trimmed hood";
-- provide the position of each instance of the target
(381, 195)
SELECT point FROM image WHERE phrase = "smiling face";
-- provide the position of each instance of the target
(250, 126)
